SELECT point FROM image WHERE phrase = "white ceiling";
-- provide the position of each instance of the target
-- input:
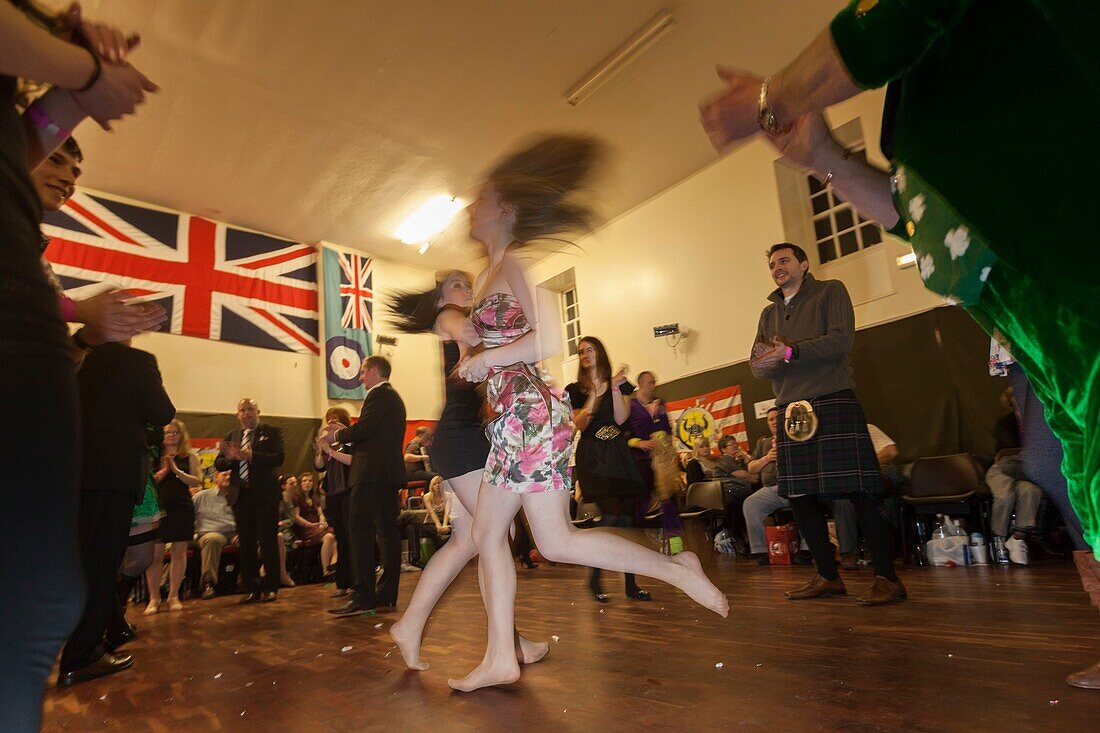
(333, 119)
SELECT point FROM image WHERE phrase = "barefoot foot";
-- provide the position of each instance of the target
(409, 645)
(698, 586)
(488, 674)
(529, 652)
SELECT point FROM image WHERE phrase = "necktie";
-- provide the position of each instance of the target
(246, 441)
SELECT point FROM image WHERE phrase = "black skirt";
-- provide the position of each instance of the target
(606, 468)
(838, 460)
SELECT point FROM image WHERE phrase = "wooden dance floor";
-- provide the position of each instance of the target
(974, 649)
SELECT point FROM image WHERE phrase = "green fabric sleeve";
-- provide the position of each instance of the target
(880, 41)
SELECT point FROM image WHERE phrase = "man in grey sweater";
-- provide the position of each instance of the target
(823, 450)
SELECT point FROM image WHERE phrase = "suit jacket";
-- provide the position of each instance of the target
(377, 440)
(120, 392)
(267, 456)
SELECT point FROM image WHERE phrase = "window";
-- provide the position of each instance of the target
(838, 229)
(571, 319)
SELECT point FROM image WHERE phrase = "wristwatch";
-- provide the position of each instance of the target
(765, 114)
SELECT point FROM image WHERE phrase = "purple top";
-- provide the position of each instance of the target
(643, 425)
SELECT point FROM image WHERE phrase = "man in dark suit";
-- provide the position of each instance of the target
(120, 393)
(376, 476)
(252, 454)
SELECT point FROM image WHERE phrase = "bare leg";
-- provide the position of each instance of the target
(284, 576)
(560, 541)
(496, 508)
(152, 578)
(441, 572)
(328, 551)
(176, 570)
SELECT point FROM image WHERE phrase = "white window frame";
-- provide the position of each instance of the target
(570, 321)
(829, 244)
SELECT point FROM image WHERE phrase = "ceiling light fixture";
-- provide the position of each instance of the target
(621, 57)
(907, 260)
(431, 218)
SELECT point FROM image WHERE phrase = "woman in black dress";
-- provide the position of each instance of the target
(178, 474)
(43, 592)
(605, 468)
(458, 453)
(334, 461)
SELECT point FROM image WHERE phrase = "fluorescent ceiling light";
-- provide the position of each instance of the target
(621, 57)
(430, 219)
(907, 260)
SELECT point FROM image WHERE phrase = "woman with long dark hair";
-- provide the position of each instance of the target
(605, 468)
(531, 195)
(458, 452)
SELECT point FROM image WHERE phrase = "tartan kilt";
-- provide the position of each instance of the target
(839, 460)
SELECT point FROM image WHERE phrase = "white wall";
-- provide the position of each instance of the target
(694, 254)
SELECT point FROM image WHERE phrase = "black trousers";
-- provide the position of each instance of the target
(374, 510)
(337, 512)
(615, 511)
(809, 513)
(257, 523)
(41, 584)
(103, 529)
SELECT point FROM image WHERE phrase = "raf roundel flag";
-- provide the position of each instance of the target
(349, 310)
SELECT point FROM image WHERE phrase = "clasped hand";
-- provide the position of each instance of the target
(768, 355)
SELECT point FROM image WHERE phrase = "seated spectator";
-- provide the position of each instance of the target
(287, 538)
(1012, 490)
(731, 468)
(700, 466)
(309, 486)
(844, 512)
(432, 522)
(309, 524)
(766, 499)
(418, 466)
(215, 528)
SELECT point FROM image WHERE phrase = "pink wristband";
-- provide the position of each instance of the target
(68, 308)
(42, 120)
(787, 354)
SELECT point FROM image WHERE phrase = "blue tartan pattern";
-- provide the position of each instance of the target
(840, 458)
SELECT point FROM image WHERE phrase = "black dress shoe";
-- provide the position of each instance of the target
(268, 596)
(128, 634)
(600, 597)
(639, 595)
(352, 608)
(105, 665)
(249, 598)
(340, 593)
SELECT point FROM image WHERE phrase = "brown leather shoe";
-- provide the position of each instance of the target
(818, 587)
(1086, 678)
(882, 592)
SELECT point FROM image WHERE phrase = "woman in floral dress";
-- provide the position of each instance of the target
(531, 195)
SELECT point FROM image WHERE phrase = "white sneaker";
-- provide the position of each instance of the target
(1017, 550)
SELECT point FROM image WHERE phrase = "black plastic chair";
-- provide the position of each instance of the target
(952, 485)
(705, 500)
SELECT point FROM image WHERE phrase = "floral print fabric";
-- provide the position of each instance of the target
(531, 440)
(953, 259)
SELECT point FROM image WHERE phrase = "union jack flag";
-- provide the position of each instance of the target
(215, 281)
(356, 292)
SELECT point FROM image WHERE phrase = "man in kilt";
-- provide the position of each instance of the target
(824, 452)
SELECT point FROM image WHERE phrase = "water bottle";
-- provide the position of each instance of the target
(979, 553)
(920, 558)
(1000, 552)
(938, 531)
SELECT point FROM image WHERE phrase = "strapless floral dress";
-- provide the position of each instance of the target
(531, 440)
